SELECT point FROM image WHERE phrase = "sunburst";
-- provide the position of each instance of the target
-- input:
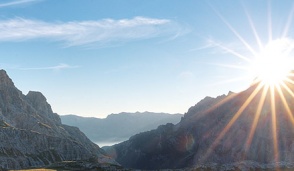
(270, 68)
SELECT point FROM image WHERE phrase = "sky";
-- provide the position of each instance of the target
(97, 57)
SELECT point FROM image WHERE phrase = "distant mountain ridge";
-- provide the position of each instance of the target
(249, 130)
(31, 135)
(119, 127)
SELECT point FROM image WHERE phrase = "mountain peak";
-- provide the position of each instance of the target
(4, 79)
(36, 95)
(34, 135)
(39, 101)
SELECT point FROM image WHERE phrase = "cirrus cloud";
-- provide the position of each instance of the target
(56, 68)
(17, 2)
(78, 33)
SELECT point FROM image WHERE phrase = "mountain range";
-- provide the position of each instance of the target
(31, 135)
(250, 130)
(119, 127)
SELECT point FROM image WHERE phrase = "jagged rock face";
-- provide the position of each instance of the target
(39, 102)
(223, 130)
(5, 81)
(32, 135)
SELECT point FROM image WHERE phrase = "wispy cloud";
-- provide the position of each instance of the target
(55, 68)
(14, 3)
(86, 32)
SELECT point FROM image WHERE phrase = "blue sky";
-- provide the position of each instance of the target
(97, 57)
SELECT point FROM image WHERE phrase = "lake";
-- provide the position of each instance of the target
(107, 143)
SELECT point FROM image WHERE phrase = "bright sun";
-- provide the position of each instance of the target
(273, 64)
(272, 68)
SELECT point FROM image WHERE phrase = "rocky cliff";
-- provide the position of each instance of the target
(250, 129)
(32, 135)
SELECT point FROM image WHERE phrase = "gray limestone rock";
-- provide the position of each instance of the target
(32, 135)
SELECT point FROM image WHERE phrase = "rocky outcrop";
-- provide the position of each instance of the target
(253, 128)
(39, 102)
(32, 135)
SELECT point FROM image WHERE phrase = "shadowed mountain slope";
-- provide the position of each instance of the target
(253, 128)
(32, 135)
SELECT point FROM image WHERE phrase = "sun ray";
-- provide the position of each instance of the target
(234, 32)
(274, 123)
(229, 97)
(271, 65)
(269, 17)
(284, 101)
(232, 121)
(253, 28)
(231, 51)
(289, 81)
(288, 89)
(229, 81)
(230, 66)
(289, 21)
(256, 117)
(239, 112)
